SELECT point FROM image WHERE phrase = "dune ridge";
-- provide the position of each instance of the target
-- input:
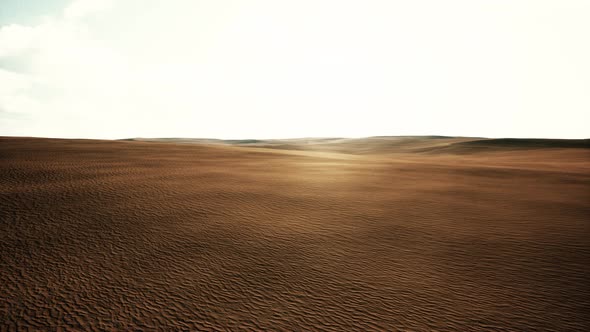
(375, 234)
(390, 144)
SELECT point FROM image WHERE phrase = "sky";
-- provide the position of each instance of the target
(307, 68)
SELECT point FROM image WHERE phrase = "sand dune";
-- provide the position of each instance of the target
(390, 144)
(374, 234)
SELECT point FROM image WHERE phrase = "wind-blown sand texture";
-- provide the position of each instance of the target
(376, 234)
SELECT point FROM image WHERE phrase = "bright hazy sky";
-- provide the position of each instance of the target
(277, 69)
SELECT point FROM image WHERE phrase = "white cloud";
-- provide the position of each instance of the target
(13, 82)
(14, 39)
(81, 8)
(110, 69)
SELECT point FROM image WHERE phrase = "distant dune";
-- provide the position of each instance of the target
(528, 143)
(391, 144)
(374, 234)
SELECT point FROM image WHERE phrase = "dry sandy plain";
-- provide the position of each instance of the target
(377, 234)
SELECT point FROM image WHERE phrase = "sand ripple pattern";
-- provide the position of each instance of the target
(99, 235)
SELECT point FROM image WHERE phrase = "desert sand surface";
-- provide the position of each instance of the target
(376, 234)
